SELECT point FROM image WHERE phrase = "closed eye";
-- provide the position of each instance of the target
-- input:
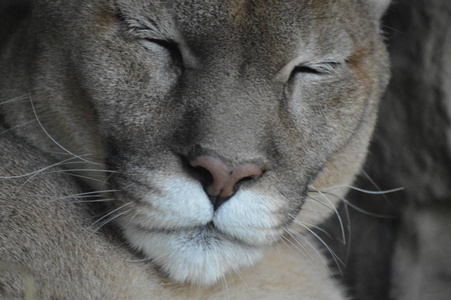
(316, 69)
(306, 70)
(170, 46)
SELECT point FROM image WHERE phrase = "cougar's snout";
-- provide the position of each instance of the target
(225, 177)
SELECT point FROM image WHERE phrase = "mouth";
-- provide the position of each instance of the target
(174, 224)
(200, 255)
(204, 236)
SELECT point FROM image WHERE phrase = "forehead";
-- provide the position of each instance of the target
(284, 18)
(279, 28)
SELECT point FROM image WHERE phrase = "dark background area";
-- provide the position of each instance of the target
(10, 12)
(406, 255)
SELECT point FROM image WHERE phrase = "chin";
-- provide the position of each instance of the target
(175, 226)
(200, 255)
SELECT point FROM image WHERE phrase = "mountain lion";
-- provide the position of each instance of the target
(181, 149)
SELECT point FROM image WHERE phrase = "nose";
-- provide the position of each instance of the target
(225, 177)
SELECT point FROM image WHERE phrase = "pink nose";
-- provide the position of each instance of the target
(225, 177)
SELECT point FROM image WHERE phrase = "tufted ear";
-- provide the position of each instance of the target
(378, 6)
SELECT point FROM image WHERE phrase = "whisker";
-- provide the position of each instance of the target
(92, 176)
(91, 155)
(296, 236)
(107, 178)
(111, 219)
(332, 253)
(292, 244)
(17, 126)
(23, 97)
(84, 177)
(285, 243)
(78, 162)
(237, 271)
(319, 202)
(317, 228)
(80, 197)
(355, 207)
(48, 135)
(336, 213)
(90, 170)
(225, 286)
(362, 190)
(75, 197)
(368, 177)
(37, 171)
(111, 212)
(190, 290)
(95, 201)
(302, 251)
(89, 194)
(59, 171)
(348, 217)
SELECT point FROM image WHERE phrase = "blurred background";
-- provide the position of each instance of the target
(399, 244)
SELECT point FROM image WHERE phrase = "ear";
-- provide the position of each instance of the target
(378, 7)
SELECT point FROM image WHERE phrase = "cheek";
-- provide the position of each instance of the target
(131, 97)
(326, 113)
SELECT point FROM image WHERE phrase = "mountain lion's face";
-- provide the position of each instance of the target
(214, 118)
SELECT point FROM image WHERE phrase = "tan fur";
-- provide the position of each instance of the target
(127, 89)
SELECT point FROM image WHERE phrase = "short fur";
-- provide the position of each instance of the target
(121, 92)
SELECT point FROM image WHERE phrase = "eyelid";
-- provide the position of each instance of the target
(163, 43)
(305, 69)
(170, 46)
(314, 69)
(146, 34)
(320, 68)
(312, 65)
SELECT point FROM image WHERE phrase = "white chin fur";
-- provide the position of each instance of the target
(172, 229)
(198, 256)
